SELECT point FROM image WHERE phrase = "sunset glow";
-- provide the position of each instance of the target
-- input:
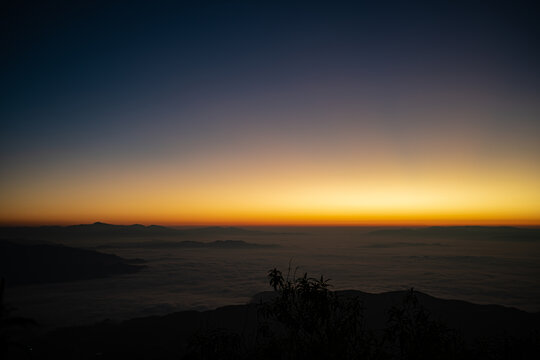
(223, 194)
(262, 122)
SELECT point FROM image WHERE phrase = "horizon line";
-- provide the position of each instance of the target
(234, 224)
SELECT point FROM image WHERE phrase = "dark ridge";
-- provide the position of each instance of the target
(187, 244)
(401, 244)
(99, 229)
(501, 233)
(472, 319)
(22, 264)
(231, 231)
(167, 337)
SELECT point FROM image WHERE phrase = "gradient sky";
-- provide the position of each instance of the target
(270, 112)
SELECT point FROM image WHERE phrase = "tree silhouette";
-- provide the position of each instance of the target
(308, 321)
(414, 335)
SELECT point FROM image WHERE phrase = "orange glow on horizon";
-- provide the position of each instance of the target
(289, 223)
(260, 184)
(331, 200)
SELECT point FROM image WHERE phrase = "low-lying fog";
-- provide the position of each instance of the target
(477, 269)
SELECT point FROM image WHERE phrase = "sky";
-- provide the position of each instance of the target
(270, 112)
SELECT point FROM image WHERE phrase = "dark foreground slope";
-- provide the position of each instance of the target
(487, 332)
(471, 319)
(31, 263)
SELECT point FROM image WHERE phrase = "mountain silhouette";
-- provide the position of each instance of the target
(221, 244)
(99, 229)
(169, 336)
(502, 233)
(27, 263)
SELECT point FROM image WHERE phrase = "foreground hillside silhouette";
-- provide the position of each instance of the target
(304, 319)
